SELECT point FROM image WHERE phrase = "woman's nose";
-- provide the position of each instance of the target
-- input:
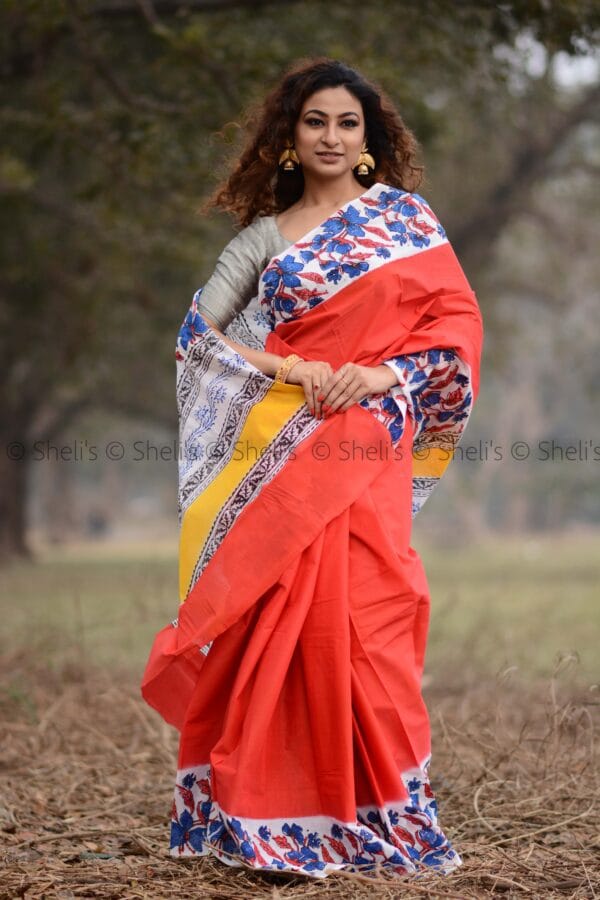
(331, 137)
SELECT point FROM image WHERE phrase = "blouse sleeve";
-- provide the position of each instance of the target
(234, 280)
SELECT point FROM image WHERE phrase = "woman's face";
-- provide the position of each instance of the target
(329, 132)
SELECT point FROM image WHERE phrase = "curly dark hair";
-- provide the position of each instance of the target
(258, 186)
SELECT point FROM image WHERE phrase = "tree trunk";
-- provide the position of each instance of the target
(14, 474)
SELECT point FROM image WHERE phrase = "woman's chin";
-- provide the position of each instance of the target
(321, 169)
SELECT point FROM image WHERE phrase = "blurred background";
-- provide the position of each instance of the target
(118, 117)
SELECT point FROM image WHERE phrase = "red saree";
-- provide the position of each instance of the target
(293, 670)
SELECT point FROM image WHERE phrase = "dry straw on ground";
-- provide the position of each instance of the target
(87, 771)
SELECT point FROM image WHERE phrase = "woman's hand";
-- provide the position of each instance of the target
(312, 375)
(328, 391)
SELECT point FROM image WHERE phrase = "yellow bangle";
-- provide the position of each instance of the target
(282, 372)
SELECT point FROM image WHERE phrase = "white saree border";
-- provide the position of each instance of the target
(402, 837)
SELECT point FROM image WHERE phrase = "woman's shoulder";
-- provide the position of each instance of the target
(247, 243)
(264, 225)
(266, 230)
(261, 230)
(254, 244)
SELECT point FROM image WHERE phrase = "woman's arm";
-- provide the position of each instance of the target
(232, 285)
(266, 362)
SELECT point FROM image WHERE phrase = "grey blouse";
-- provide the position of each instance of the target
(234, 281)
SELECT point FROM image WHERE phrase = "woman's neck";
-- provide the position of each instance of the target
(329, 193)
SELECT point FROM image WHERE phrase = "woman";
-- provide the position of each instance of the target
(337, 334)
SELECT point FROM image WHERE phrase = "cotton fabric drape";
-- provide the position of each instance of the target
(293, 670)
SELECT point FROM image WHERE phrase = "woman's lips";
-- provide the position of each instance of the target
(329, 157)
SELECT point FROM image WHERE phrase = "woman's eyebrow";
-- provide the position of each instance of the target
(321, 113)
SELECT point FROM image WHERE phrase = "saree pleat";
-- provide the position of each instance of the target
(294, 669)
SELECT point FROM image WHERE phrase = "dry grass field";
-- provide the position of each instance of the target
(86, 769)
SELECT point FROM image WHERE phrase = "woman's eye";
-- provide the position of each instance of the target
(314, 121)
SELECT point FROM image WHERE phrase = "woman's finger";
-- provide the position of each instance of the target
(311, 375)
(317, 381)
(343, 389)
(321, 388)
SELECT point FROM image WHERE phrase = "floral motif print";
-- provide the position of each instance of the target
(405, 838)
(192, 327)
(434, 387)
(345, 246)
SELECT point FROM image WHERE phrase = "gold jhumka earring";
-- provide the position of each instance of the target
(289, 158)
(364, 162)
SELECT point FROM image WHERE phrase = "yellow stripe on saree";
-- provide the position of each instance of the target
(431, 462)
(265, 420)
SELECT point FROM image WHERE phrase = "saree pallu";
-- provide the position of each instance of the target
(293, 670)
